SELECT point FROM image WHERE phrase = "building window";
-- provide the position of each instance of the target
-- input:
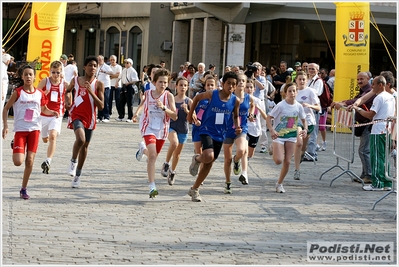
(90, 43)
(135, 43)
(113, 38)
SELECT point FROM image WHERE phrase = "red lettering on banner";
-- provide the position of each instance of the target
(36, 22)
(45, 59)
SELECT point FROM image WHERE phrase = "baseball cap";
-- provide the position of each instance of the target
(297, 64)
(64, 57)
(129, 60)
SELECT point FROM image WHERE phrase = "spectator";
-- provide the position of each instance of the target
(128, 78)
(297, 67)
(103, 74)
(364, 134)
(382, 108)
(181, 72)
(195, 82)
(116, 86)
(316, 83)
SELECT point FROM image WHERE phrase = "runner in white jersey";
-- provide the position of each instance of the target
(27, 102)
(158, 108)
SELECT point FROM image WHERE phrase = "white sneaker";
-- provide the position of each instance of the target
(140, 152)
(263, 150)
(129, 121)
(117, 119)
(279, 188)
(72, 168)
(297, 175)
(105, 120)
(324, 146)
(75, 182)
(318, 147)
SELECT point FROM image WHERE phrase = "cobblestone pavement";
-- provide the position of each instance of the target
(111, 220)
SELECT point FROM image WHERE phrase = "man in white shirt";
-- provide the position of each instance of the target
(128, 78)
(116, 84)
(70, 71)
(382, 108)
(103, 74)
(316, 83)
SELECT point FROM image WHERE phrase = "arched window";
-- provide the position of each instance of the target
(135, 43)
(113, 39)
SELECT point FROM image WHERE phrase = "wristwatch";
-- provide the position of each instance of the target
(164, 108)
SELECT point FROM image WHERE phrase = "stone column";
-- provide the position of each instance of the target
(196, 41)
(212, 42)
(180, 37)
(235, 47)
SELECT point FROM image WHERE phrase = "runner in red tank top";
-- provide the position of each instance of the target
(54, 88)
(88, 94)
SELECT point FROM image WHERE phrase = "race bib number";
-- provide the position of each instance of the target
(78, 101)
(219, 118)
(200, 113)
(28, 115)
(156, 122)
(54, 96)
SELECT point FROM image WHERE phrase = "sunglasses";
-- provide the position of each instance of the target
(55, 72)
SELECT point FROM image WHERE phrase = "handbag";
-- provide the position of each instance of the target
(359, 130)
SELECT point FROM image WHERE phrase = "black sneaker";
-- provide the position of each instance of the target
(171, 177)
(243, 179)
(45, 167)
(165, 169)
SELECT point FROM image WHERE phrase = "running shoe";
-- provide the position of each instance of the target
(72, 168)
(165, 169)
(23, 193)
(153, 193)
(194, 194)
(194, 165)
(171, 177)
(237, 166)
(75, 182)
(279, 188)
(227, 189)
(243, 179)
(140, 152)
(45, 166)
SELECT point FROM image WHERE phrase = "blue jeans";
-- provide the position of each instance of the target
(364, 152)
(312, 143)
(115, 92)
(104, 114)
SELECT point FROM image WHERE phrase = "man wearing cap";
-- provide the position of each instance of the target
(64, 59)
(297, 67)
(103, 74)
(128, 77)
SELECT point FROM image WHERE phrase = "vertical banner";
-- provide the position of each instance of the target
(46, 35)
(352, 47)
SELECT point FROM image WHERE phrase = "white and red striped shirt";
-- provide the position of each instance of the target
(55, 96)
(83, 106)
(154, 121)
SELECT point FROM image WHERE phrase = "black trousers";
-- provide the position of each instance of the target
(126, 97)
